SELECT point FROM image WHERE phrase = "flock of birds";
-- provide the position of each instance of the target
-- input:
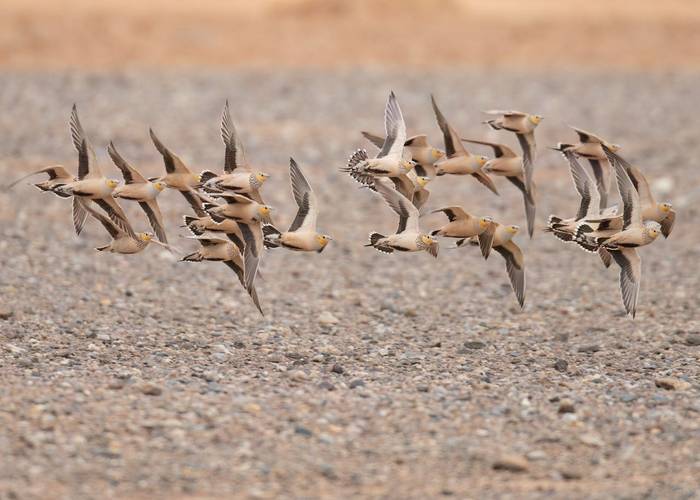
(233, 225)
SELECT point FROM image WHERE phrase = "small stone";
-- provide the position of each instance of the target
(303, 431)
(150, 389)
(591, 440)
(326, 385)
(6, 313)
(436, 344)
(561, 365)
(116, 385)
(628, 398)
(298, 375)
(474, 344)
(672, 384)
(589, 349)
(511, 463)
(566, 406)
(338, 369)
(693, 339)
(356, 383)
(327, 319)
(536, 455)
(570, 474)
(103, 337)
(238, 344)
(423, 388)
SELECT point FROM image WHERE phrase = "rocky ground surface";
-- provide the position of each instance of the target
(370, 375)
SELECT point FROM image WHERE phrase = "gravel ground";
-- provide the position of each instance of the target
(371, 375)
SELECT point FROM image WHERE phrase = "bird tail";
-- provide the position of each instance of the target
(493, 124)
(584, 239)
(192, 257)
(357, 157)
(206, 176)
(562, 146)
(102, 248)
(271, 235)
(374, 238)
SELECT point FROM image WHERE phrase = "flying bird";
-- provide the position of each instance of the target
(507, 164)
(302, 234)
(457, 160)
(523, 125)
(408, 236)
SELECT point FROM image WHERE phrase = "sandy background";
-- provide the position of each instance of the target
(143, 378)
(534, 34)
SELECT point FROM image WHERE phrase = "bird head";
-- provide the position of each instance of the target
(427, 240)
(482, 160)
(112, 183)
(652, 228)
(407, 164)
(265, 212)
(665, 207)
(422, 180)
(261, 177)
(535, 119)
(513, 229)
(485, 221)
(323, 239)
(159, 185)
(145, 237)
(436, 153)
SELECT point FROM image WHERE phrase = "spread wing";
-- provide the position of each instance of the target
(587, 137)
(407, 212)
(584, 187)
(130, 174)
(395, 130)
(453, 213)
(116, 213)
(486, 239)
(630, 276)
(87, 161)
(667, 223)
(632, 213)
(527, 143)
(453, 145)
(113, 230)
(155, 218)
(195, 202)
(499, 150)
(253, 238)
(646, 199)
(173, 163)
(79, 214)
(234, 156)
(375, 139)
(515, 267)
(55, 172)
(240, 274)
(306, 200)
(529, 200)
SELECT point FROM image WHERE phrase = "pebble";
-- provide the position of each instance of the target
(590, 348)
(298, 375)
(326, 386)
(693, 339)
(103, 337)
(6, 313)
(511, 463)
(474, 344)
(561, 365)
(570, 474)
(566, 406)
(356, 383)
(671, 384)
(150, 389)
(338, 369)
(303, 431)
(326, 318)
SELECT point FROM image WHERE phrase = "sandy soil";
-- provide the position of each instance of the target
(371, 375)
(540, 34)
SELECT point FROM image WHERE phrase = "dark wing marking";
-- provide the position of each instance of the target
(527, 143)
(87, 162)
(234, 156)
(114, 231)
(395, 128)
(484, 179)
(155, 218)
(486, 240)
(630, 273)
(599, 175)
(301, 213)
(129, 173)
(529, 201)
(630, 198)
(252, 236)
(582, 183)
(450, 137)
(515, 268)
(79, 215)
(374, 139)
(667, 223)
(195, 202)
(116, 213)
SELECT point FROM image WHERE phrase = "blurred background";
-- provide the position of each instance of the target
(576, 34)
